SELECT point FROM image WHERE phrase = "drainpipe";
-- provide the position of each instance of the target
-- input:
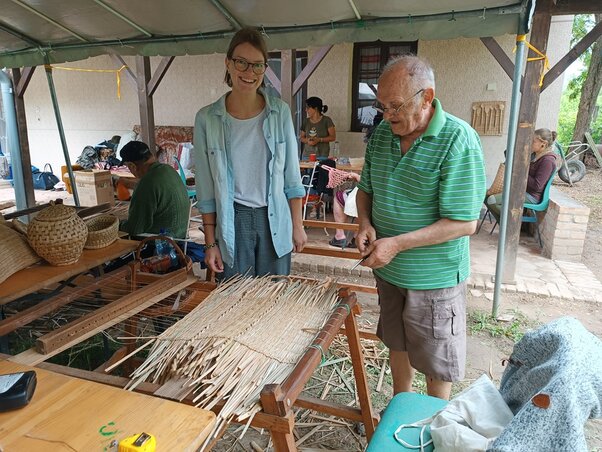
(512, 127)
(59, 123)
(12, 135)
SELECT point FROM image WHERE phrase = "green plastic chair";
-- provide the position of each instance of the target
(529, 207)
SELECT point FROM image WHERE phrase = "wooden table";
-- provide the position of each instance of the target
(67, 414)
(43, 275)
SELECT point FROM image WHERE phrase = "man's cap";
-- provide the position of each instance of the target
(135, 151)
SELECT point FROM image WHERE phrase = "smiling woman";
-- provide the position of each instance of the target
(248, 180)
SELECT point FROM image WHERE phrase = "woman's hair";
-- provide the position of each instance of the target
(246, 35)
(546, 135)
(316, 102)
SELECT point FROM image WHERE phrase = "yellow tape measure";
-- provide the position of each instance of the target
(140, 442)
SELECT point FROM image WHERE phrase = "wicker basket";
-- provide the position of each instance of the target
(102, 231)
(58, 235)
(15, 253)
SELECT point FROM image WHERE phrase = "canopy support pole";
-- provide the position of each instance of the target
(145, 101)
(12, 135)
(59, 123)
(21, 81)
(512, 125)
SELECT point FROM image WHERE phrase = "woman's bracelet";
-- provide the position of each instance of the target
(210, 245)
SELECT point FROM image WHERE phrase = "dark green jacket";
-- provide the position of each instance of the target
(160, 201)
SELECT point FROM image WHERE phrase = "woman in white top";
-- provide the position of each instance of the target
(248, 179)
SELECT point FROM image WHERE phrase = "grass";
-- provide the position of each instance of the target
(482, 322)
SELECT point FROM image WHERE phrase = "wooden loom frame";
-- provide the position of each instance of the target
(277, 400)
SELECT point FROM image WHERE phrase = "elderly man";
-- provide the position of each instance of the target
(160, 200)
(419, 199)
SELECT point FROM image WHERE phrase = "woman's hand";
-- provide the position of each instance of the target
(313, 141)
(213, 259)
(299, 239)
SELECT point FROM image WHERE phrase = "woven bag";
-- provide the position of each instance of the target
(58, 235)
(15, 253)
(337, 179)
(498, 183)
(102, 231)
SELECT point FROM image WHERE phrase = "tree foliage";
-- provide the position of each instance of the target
(577, 112)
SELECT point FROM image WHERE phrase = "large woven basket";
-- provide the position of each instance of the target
(15, 253)
(58, 235)
(102, 231)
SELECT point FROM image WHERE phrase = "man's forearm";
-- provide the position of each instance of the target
(363, 202)
(441, 231)
(209, 220)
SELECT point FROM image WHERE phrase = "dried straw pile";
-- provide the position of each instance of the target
(246, 334)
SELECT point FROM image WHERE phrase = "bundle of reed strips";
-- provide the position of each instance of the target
(248, 333)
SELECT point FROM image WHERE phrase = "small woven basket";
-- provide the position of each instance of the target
(58, 235)
(102, 231)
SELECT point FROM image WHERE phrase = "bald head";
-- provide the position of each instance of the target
(417, 73)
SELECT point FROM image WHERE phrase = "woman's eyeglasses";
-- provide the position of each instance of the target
(394, 110)
(242, 65)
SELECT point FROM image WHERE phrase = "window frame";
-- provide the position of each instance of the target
(384, 47)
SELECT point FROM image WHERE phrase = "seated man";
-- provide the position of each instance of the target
(160, 200)
(338, 209)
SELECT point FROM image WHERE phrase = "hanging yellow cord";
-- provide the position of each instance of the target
(546, 62)
(116, 71)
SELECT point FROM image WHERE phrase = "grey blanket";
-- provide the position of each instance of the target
(563, 360)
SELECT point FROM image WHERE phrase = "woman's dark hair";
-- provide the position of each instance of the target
(316, 102)
(246, 35)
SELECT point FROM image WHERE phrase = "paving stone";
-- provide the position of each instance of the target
(553, 290)
(476, 293)
(537, 288)
(489, 296)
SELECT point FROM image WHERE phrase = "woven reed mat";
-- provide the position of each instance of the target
(248, 333)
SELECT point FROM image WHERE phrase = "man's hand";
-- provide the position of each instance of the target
(213, 259)
(364, 238)
(299, 239)
(381, 252)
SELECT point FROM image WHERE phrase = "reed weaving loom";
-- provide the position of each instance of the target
(245, 349)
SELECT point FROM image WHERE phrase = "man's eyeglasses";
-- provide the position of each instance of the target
(242, 65)
(394, 110)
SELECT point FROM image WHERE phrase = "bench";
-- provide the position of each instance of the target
(563, 227)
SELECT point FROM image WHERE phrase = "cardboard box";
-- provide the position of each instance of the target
(94, 187)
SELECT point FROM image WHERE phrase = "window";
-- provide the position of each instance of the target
(369, 58)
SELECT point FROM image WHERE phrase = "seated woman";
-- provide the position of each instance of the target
(543, 165)
(338, 209)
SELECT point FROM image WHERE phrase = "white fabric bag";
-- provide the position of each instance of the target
(350, 205)
(468, 423)
(472, 420)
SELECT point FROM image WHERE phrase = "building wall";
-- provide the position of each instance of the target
(92, 113)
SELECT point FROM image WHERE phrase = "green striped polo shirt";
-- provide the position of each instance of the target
(441, 176)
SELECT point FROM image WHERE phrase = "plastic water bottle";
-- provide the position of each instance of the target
(335, 149)
(165, 248)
